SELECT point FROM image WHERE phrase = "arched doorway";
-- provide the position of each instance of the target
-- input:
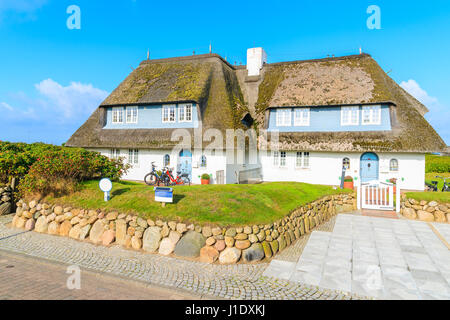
(369, 167)
(185, 162)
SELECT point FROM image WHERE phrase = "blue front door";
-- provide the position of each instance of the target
(185, 163)
(369, 167)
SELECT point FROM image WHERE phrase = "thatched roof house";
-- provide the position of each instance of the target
(219, 89)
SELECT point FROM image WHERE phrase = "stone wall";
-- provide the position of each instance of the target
(431, 211)
(6, 199)
(208, 243)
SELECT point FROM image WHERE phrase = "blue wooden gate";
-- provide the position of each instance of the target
(369, 167)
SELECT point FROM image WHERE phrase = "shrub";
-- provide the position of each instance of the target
(348, 179)
(205, 176)
(48, 169)
(440, 164)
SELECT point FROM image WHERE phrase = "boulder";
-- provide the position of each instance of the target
(216, 231)
(174, 236)
(108, 237)
(267, 249)
(142, 222)
(207, 232)
(439, 216)
(58, 210)
(274, 246)
(241, 236)
(425, 216)
(32, 204)
(190, 244)
(121, 231)
(84, 231)
(229, 241)
(29, 225)
(41, 225)
(64, 228)
(74, 233)
(151, 239)
(254, 253)
(112, 216)
(136, 243)
(97, 231)
(166, 246)
(433, 204)
(181, 228)
(210, 241)
(220, 245)
(229, 256)
(5, 208)
(209, 254)
(409, 213)
(242, 244)
(231, 232)
(20, 223)
(53, 228)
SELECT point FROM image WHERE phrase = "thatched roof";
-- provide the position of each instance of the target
(212, 83)
(342, 81)
(205, 79)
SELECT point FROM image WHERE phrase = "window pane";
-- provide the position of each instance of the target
(189, 112)
(298, 162)
(275, 158)
(306, 159)
(282, 159)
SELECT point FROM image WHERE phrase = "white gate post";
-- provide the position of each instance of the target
(358, 196)
(397, 197)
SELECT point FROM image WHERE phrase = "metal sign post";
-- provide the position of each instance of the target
(105, 185)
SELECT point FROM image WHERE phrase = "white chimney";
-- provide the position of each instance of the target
(256, 57)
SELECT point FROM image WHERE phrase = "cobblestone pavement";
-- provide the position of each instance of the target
(241, 281)
(20, 281)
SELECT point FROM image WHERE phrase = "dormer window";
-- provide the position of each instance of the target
(185, 113)
(349, 116)
(371, 115)
(168, 114)
(117, 115)
(132, 114)
(283, 117)
(301, 117)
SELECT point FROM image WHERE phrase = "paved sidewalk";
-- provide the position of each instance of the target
(378, 257)
(241, 281)
(19, 280)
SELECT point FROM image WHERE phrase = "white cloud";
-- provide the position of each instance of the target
(7, 106)
(438, 115)
(74, 100)
(56, 103)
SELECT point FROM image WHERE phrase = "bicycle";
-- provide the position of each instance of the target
(153, 178)
(181, 179)
(446, 187)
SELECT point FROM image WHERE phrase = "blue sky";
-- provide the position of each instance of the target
(52, 78)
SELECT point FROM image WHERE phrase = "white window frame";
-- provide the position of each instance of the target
(372, 111)
(349, 163)
(114, 154)
(164, 160)
(302, 117)
(119, 112)
(276, 158)
(185, 108)
(350, 110)
(283, 159)
(133, 113)
(390, 165)
(300, 160)
(133, 157)
(169, 108)
(283, 117)
(203, 164)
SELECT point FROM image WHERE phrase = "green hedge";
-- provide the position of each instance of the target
(45, 168)
(440, 164)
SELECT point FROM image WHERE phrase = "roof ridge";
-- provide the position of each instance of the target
(353, 56)
(187, 58)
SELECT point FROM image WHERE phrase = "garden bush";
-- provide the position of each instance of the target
(439, 164)
(45, 169)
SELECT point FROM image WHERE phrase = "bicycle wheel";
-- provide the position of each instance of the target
(151, 179)
(186, 181)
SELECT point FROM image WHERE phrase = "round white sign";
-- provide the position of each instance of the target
(105, 185)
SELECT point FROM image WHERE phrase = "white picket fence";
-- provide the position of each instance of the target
(377, 195)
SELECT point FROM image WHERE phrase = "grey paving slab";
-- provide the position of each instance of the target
(280, 269)
(378, 257)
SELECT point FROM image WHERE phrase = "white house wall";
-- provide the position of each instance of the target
(325, 167)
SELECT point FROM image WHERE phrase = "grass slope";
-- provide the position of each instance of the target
(215, 204)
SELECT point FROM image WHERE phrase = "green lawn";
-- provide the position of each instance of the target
(216, 204)
(442, 197)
